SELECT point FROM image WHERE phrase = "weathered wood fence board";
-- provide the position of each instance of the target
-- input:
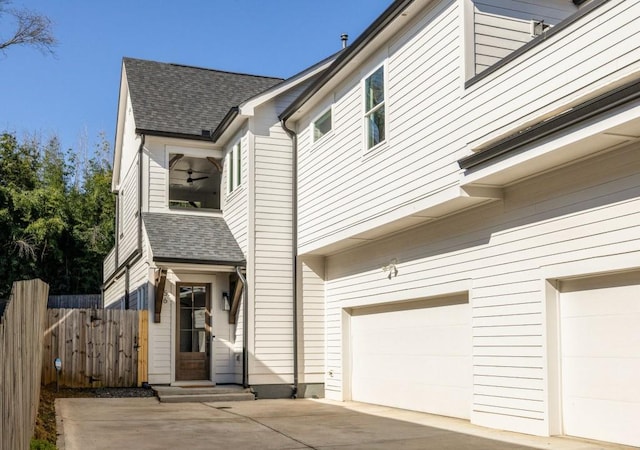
(21, 336)
(98, 347)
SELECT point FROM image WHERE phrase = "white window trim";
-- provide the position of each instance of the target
(383, 143)
(312, 126)
(234, 173)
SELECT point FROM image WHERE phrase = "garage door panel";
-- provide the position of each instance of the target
(611, 421)
(612, 378)
(604, 336)
(600, 365)
(417, 359)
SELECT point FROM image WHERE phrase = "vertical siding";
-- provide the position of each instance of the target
(500, 27)
(585, 211)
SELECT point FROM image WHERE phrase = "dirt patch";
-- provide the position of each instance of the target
(46, 421)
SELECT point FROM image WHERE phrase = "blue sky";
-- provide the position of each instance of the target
(74, 93)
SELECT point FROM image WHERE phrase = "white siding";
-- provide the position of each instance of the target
(272, 358)
(500, 27)
(573, 215)
(129, 213)
(235, 205)
(311, 320)
(433, 121)
(157, 180)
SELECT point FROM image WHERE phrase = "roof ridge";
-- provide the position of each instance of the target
(230, 72)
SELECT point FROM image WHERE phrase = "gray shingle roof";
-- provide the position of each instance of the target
(183, 100)
(196, 239)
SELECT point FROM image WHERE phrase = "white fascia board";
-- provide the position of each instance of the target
(615, 128)
(122, 114)
(248, 107)
(362, 56)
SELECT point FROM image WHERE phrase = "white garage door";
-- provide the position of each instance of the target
(414, 356)
(600, 345)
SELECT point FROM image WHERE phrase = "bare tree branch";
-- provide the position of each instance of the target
(31, 28)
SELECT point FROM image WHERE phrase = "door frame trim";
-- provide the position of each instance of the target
(208, 328)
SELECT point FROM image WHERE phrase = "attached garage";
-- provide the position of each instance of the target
(413, 355)
(600, 357)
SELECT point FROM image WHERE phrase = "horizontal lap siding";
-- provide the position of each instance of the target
(432, 120)
(313, 319)
(128, 242)
(582, 212)
(597, 49)
(235, 206)
(273, 261)
(157, 189)
(500, 27)
(341, 189)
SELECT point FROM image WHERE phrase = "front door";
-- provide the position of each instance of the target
(193, 360)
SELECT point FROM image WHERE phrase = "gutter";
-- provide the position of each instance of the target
(579, 113)
(294, 249)
(226, 121)
(245, 330)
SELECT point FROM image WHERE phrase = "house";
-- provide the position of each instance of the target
(468, 177)
(462, 194)
(203, 182)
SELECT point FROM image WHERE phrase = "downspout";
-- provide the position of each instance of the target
(140, 174)
(245, 330)
(294, 248)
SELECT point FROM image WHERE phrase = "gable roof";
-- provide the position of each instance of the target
(350, 54)
(191, 239)
(183, 101)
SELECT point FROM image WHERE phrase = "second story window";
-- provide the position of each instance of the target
(322, 125)
(374, 108)
(194, 183)
(234, 167)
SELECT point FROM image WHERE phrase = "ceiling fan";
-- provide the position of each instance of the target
(190, 179)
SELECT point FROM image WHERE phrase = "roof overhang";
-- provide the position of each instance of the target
(238, 114)
(394, 18)
(606, 122)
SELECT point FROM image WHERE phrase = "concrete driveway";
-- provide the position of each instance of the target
(144, 423)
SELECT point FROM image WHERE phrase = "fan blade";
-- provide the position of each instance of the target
(191, 180)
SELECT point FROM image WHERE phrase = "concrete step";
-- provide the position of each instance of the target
(175, 394)
(206, 398)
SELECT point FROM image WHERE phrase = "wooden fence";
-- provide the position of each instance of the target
(21, 336)
(97, 347)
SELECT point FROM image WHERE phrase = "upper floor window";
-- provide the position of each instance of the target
(234, 165)
(374, 114)
(322, 125)
(194, 182)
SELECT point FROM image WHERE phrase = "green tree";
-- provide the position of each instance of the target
(49, 227)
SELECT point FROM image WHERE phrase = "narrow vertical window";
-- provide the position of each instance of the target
(230, 171)
(234, 167)
(322, 125)
(374, 116)
(238, 164)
